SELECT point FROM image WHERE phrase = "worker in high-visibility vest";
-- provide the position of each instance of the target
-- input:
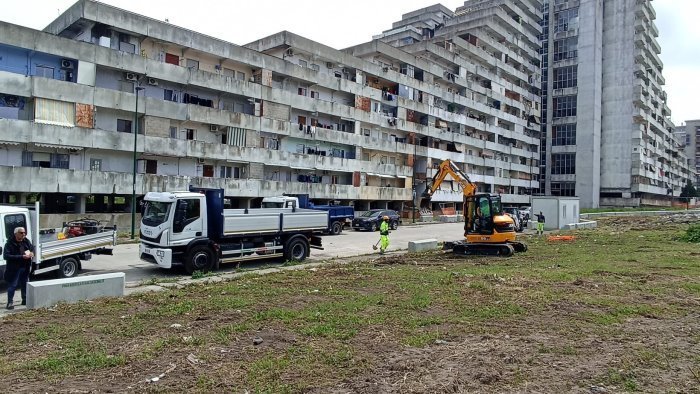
(384, 234)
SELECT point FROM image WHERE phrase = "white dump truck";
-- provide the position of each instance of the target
(193, 229)
(63, 255)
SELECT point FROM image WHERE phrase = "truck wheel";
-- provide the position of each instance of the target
(68, 267)
(336, 228)
(296, 249)
(200, 258)
(374, 227)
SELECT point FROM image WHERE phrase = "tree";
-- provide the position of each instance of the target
(689, 190)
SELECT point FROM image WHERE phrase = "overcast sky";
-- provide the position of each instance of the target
(340, 25)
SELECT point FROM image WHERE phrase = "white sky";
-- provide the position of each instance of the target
(341, 25)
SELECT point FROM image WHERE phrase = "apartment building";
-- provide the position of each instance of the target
(476, 100)
(102, 90)
(606, 136)
(689, 136)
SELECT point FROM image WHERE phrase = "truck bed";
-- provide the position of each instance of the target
(84, 243)
(273, 220)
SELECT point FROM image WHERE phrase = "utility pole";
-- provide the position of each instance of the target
(413, 182)
(133, 179)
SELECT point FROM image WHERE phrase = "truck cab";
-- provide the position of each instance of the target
(193, 228)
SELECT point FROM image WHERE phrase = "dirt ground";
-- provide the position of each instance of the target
(617, 310)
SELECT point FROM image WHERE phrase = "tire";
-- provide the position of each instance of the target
(373, 228)
(296, 249)
(336, 228)
(68, 267)
(199, 258)
(394, 225)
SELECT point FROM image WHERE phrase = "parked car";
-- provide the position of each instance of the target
(371, 220)
(514, 213)
(525, 213)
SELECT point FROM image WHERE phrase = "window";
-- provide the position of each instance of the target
(564, 106)
(566, 49)
(563, 163)
(315, 67)
(59, 160)
(301, 91)
(566, 189)
(127, 47)
(230, 172)
(208, 171)
(172, 59)
(302, 63)
(169, 95)
(565, 77)
(173, 132)
(14, 221)
(193, 64)
(189, 134)
(565, 20)
(44, 71)
(314, 94)
(95, 164)
(564, 134)
(240, 76)
(151, 166)
(187, 211)
(124, 126)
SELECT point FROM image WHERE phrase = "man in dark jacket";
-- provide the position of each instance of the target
(18, 255)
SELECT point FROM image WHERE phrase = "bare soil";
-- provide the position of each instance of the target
(615, 311)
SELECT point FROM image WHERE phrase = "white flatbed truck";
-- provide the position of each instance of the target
(62, 255)
(193, 229)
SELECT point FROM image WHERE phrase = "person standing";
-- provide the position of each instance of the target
(18, 254)
(540, 223)
(384, 235)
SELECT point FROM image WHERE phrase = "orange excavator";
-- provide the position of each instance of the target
(487, 229)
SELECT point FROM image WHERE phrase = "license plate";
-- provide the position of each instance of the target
(147, 251)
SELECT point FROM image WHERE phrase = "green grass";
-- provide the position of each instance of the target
(343, 323)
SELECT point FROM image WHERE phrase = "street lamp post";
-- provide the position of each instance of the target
(413, 181)
(133, 179)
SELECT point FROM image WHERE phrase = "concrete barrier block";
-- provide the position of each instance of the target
(47, 293)
(422, 245)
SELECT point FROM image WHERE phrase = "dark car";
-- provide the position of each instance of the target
(371, 220)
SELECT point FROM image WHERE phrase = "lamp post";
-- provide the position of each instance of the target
(133, 179)
(413, 181)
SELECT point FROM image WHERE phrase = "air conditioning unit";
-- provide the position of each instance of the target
(385, 69)
(329, 64)
(153, 81)
(131, 77)
(213, 127)
(200, 160)
(345, 70)
(66, 64)
(290, 52)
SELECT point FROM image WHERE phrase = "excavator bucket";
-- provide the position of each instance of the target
(424, 199)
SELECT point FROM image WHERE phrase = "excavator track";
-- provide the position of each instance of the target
(476, 249)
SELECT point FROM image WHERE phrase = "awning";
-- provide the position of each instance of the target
(9, 143)
(371, 173)
(303, 168)
(402, 176)
(52, 146)
(386, 176)
(237, 161)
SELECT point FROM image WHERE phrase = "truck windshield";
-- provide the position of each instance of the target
(155, 212)
(267, 204)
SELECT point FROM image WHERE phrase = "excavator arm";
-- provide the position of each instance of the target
(447, 167)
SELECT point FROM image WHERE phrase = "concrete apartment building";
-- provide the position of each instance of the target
(689, 135)
(283, 114)
(607, 136)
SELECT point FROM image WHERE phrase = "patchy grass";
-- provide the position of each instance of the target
(617, 307)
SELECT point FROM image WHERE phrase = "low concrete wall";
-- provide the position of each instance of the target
(581, 225)
(47, 293)
(423, 245)
(639, 213)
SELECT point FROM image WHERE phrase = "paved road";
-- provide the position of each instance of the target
(349, 243)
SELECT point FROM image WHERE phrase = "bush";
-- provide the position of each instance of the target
(692, 234)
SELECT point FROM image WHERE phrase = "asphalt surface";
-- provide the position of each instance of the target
(349, 243)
